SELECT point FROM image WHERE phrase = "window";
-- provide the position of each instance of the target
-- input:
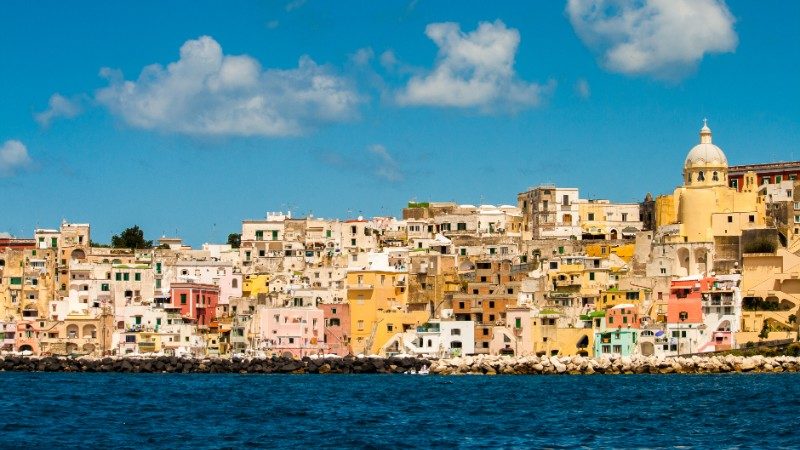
(274, 235)
(183, 299)
(778, 179)
(485, 331)
(104, 287)
(259, 235)
(715, 177)
(752, 218)
(16, 280)
(591, 276)
(518, 322)
(158, 267)
(126, 276)
(463, 251)
(353, 242)
(158, 283)
(461, 305)
(610, 320)
(389, 327)
(327, 233)
(701, 176)
(455, 332)
(461, 226)
(624, 319)
(491, 304)
(590, 216)
(360, 325)
(118, 276)
(137, 276)
(734, 183)
(730, 219)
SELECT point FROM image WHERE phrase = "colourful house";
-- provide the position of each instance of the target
(378, 308)
(195, 300)
(619, 331)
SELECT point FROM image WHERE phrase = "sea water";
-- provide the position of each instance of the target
(70, 410)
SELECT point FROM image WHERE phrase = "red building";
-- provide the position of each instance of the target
(196, 300)
(337, 327)
(686, 296)
(767, 173)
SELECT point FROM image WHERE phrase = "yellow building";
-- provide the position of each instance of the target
(613, 297)
(770, 293)
(602, 250)
(255, 284)
(705, 207)
(378, 308)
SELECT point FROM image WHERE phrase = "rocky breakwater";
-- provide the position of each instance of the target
(169, 364)
(576, 365)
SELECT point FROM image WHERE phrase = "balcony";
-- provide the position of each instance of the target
(360, 287)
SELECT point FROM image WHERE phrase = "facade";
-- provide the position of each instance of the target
(196, 301)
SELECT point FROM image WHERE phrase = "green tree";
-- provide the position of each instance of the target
(132, 237)
(235, 240)
(764, 331)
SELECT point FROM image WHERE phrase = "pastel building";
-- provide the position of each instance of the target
(337, 328)
(619, 332)
(196, 301)
(293, 332)
(685, 326)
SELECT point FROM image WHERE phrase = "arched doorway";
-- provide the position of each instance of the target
(78, 254)
(613, 235)
(683, 262)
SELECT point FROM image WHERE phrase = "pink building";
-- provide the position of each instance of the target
(196, 301)
(294, 331)
(337, 327)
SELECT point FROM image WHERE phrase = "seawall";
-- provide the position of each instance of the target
(474, 365)
(575, 365)
(168, 364)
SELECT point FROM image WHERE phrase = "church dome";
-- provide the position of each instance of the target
(705, 153)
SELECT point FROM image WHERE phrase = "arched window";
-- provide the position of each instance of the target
(701, 176)
(715, 177)
(234, 283)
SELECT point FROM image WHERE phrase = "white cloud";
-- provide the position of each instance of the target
(208, 93)
(384, 165)
(13, 157)
(661, 38)
(295, 4)
(475, 69)
(58, 106)
(362, 56)
(582, 88)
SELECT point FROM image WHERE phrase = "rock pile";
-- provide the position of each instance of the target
(533, 365)
(169, 364)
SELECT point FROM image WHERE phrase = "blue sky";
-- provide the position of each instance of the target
(355, 108)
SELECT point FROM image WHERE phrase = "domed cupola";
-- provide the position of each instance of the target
(706, 164)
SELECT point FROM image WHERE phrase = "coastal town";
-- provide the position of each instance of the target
(712, 266)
